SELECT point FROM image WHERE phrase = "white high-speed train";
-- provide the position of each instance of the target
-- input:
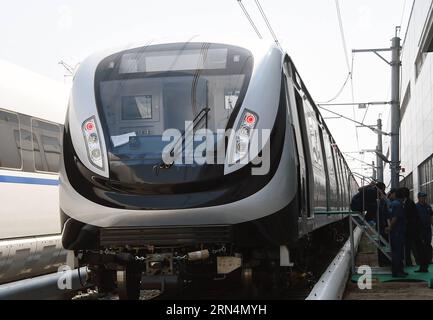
(32, 113)
(127, 211)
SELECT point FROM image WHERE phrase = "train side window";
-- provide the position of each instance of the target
(340, 178)
(10, 155)
(332, 175)
(314, 137)
(37, 153)
(344, 182)
(46, 145)
(337, 172)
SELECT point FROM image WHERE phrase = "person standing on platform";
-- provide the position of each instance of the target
(372, 199)
(366, 200)
(390, 198)
(397, 231)
(413, 240)
(425, 214)
(383, 223)
(375, 195)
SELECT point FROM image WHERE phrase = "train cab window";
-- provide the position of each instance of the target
(46, 145)
(145, 91)
(10, 157)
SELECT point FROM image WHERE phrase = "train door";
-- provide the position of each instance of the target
(337, 194)
(343, 183)
(302, 168)
(305, 175)
(326, 166)
(316, 155)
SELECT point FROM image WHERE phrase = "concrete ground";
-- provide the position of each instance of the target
(402, 290)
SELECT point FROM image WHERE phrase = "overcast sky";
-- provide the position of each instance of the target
(38, 34)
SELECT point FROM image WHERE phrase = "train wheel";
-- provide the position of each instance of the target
(247, 280)
(249, 283)
(104, 280)
(128, 283)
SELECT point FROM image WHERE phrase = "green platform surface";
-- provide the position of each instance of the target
(412, 277)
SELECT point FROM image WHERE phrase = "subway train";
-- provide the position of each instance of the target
(32, 113)
(136, 205)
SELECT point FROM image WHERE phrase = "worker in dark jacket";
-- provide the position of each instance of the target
(413, 240)
(384, 213)
(425, 214)
(367, 199)
(397, 230)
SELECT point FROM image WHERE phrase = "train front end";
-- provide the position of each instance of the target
(177, 162)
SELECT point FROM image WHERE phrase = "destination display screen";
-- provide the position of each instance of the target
(173, 60)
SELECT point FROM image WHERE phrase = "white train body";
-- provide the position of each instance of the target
(32, 112)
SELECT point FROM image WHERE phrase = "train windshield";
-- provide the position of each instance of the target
(143, 93)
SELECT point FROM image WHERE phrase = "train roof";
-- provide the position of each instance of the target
(258, 47)
(255, 45)
(27, 92)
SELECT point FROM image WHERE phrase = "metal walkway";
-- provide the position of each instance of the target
(372, 234)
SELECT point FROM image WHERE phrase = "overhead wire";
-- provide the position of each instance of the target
(337, 95)
(268, 24)
(250, 19)
(349, 66)
(343, 38)
(263, 14)
(351, 83)
(356, 159)
(365, 113)
(352, 120)
(403, 11)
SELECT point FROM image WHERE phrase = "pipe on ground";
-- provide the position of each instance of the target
(332, 283)
(54, 286)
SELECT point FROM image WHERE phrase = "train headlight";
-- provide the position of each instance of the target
(91, 138)
(243, 135)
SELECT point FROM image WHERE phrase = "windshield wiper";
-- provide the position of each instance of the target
(198, 118)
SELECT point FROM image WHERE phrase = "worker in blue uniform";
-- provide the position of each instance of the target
(425, 214)
(384, 208)
(390, 197)
(397, 230)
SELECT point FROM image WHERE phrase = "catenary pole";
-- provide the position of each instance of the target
(379, 161)
(395, 103)
(395, 111)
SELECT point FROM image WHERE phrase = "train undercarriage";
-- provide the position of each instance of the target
(249, 272)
